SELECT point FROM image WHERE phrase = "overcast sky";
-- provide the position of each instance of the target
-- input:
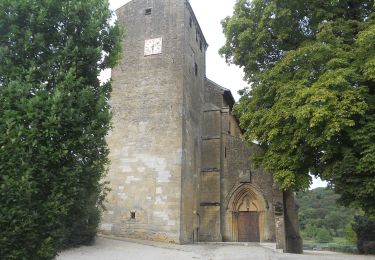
(209, 14)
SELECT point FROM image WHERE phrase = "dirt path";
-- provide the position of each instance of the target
(109, 249)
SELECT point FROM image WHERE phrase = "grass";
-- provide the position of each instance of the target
(339, 244)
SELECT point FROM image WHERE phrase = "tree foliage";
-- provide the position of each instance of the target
(54, 116)
(323, 236)
(311, 66)
(364, 228)
(318, 209)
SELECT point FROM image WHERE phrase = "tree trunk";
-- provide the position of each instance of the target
(293, 240)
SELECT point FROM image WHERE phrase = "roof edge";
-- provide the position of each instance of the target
(196, 20)
(226, 93)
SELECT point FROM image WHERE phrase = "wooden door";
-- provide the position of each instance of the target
(248, 226)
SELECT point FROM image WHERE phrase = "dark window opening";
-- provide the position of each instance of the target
(225, 152)
(132, 215)
(200, 45)
(196, 36)
(191, 22)
(148, 11)
(196, 69)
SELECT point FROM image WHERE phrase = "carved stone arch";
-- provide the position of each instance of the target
(245, 198)
(241, 189)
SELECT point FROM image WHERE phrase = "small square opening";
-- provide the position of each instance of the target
(132, 215)
(148, 11)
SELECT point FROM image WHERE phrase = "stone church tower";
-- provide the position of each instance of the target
(179, 170)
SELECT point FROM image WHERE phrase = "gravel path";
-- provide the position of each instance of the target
(109, 249)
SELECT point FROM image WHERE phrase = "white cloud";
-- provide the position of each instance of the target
(317, 182)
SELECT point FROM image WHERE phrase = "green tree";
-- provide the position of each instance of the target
(318, 208)
(350, 235)
(335, 221)
(323, 236)
(54, 116)
(311, 66)
(310, 231)
(364, 228)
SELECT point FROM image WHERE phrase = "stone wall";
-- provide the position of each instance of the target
(239, 172)
(193, 87)
(146, 144)
(178, 163)
(210, 198)
(227, 173)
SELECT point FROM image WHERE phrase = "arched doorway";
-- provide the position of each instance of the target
(246, 210)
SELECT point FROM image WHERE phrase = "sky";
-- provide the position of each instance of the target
(209, 14)
(217, 70)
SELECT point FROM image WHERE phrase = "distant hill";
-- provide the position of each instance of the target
(319, 213)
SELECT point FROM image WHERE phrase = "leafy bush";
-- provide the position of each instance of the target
(310, 232)
(350, 235)
(54, 116)
(323, 236)
(364, 227)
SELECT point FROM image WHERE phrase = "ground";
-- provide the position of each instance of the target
(110, 249)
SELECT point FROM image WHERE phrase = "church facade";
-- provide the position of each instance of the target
(180, 172)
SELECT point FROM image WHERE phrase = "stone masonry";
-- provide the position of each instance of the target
(180, 172)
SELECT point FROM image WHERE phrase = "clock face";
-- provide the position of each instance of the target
(153, 46)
